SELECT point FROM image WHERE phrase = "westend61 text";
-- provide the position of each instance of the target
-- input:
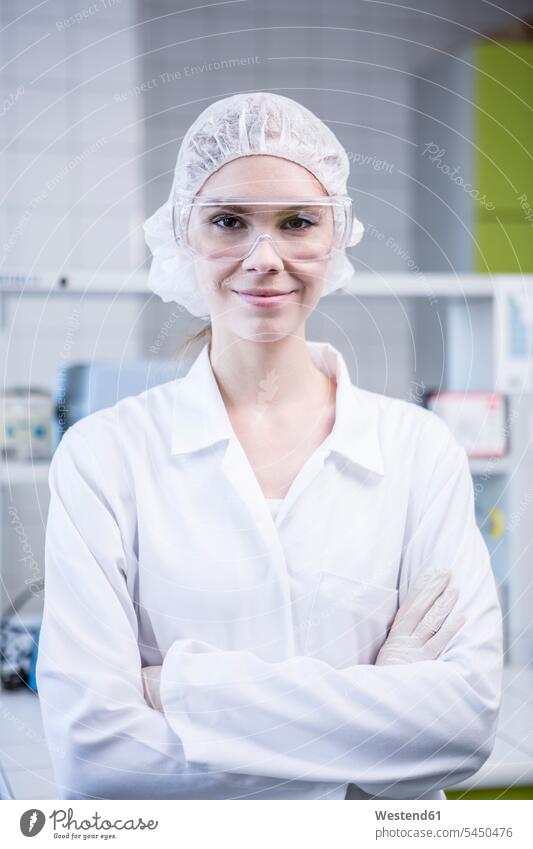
(407, 815)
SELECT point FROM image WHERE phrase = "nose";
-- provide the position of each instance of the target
(263, 257)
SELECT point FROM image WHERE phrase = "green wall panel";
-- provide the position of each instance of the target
(504, 248)
(492, 793)
(503, 154)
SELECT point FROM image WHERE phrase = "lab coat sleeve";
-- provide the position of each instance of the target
(104, 740)
(396, 731)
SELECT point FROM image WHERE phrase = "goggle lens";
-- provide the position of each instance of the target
(301, 231)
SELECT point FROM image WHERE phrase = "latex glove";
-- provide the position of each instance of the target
(151, 676)
(419, 630)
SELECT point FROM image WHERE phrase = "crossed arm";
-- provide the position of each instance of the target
(396, 730)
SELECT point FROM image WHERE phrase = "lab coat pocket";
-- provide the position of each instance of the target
(349, 620)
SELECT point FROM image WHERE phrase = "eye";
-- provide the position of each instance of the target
(298, 222)
(227, 222)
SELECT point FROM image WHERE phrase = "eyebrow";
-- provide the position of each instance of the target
(233, 206)
(236, 207)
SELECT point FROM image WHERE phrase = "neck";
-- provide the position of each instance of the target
(281, 374)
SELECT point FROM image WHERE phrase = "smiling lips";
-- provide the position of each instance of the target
(263, 297)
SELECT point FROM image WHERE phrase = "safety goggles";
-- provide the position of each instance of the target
(300, 230)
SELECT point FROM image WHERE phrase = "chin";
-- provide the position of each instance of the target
(265, 336)
(265, 331)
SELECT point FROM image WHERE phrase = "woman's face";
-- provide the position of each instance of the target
(226, 283)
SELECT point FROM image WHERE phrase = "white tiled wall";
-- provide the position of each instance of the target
(71, 182)
(72, 185)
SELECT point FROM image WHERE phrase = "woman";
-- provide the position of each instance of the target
(246, 567)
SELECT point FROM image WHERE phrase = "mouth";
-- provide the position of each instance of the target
(264, 297)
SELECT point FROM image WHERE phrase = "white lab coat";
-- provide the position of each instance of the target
(161, 549)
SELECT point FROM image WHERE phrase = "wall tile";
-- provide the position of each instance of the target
(41, 54)
(40, 181)
(36, 241)
(106, 122)
(108, 58)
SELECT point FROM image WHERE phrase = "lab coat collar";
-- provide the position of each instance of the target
(355, 433)
(200, 418)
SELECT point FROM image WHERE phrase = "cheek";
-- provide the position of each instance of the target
(213, 278)
(311, 281)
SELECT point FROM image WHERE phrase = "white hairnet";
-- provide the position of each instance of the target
(242, 125)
